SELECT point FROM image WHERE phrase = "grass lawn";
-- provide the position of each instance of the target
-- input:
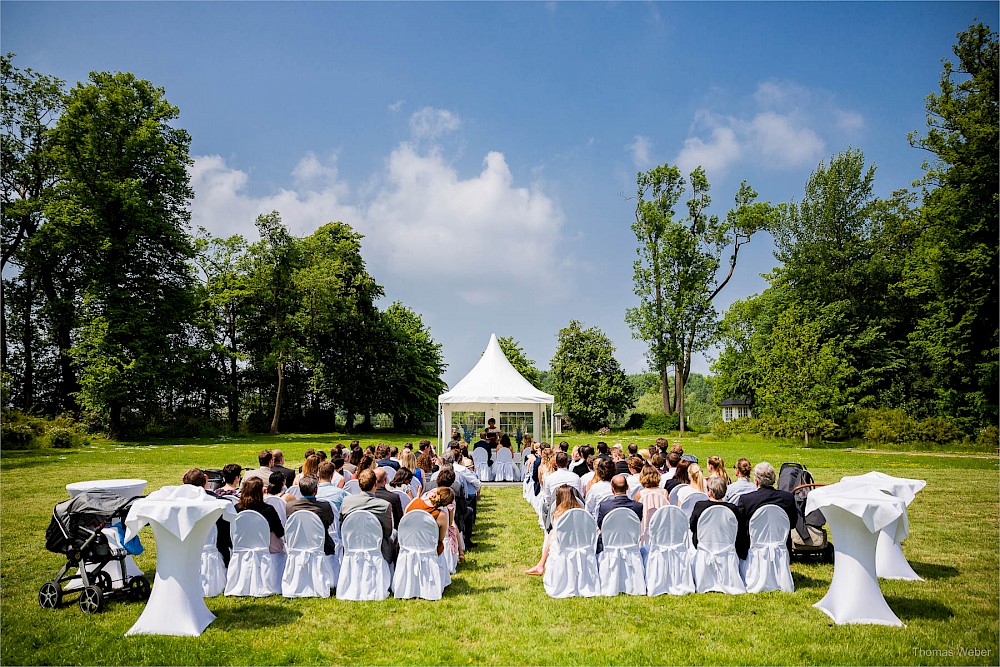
(492, 614)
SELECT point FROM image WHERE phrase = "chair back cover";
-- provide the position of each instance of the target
(620, 563)
(364, 574)
(669, 560)
(716, 565)
(415, 488)
(571, 569)
(418, 569)
(687, 505)
(503, 466)
(253, 570)
(307, 571)
(278, 503)
(213, 567)
(482, 464)
(767, 567)
(390, 473)
(352, 487)
(404, 499)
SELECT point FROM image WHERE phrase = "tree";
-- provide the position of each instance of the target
(123, 200)
(415, 368)
(590, 385)
(519, 360)
(953, 270)
(676, 275)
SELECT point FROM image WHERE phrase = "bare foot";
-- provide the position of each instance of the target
(535, 571)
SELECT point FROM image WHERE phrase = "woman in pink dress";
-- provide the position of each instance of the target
(650, 496)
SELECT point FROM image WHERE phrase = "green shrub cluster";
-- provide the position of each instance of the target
(775, 427)
(25, 431)
(888, 426)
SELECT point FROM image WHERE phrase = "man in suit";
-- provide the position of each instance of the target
(484, 444)
(766, 494)
(265, 459)
(367, 502)
(618, 458)
(381, 478)
(278, 465)
(618, 498)
(309, 503)
(382, 457)
(716, 487)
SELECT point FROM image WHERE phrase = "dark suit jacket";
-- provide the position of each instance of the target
(534, 475)
(742, 527)
(768, 495)
(394, 501)
(672, 483)
(387, 463)
(367, 502)
(580, 468)
(482, 444)
(613, 503)
(287, 472)
(322, 509)
(621, 468)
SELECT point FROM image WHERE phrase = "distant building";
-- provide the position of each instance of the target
(735, 408)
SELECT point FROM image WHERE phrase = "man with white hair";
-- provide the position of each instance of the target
(766, 494)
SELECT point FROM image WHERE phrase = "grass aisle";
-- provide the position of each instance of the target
(493, 614)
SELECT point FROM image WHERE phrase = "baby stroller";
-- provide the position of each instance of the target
(77, 530)
(809, 538)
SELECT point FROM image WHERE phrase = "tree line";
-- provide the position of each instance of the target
(878, 304)
(112, 310)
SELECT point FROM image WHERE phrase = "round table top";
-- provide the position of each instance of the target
(126, 488)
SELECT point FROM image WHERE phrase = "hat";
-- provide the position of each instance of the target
(691, 458)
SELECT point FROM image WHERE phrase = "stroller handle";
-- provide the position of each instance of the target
(806, 486)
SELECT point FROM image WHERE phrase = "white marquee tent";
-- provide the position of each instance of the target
(494, 388)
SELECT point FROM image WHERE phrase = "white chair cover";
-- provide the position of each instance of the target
(669, 561)
(687, 505)
(620, 563)
(352, 487)
(415, 488)
(503, 466)
(716, 565)
(482, 464)
(364, 574)
(571, 569)
(418, 568)
(767, 567)
(307, 572)
(213, 567)
(278, 503)
(390, 472)
(334, 531)
(404, 499)
(293, 491)
(253, 570)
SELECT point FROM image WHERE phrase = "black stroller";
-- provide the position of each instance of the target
(809, 538)
(76, 531)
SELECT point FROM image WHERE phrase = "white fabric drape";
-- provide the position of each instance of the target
(687, 503)
(278, 503)
(213, 567)
(620, 563)
(716, 565)
(418, 568)
(253, 570)
(307, 571)
(503, 466)
(669, 562)
(352, 487)
(767, 567)
(571, 569)
(481, 459)
(364, 574)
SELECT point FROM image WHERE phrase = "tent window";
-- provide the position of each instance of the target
(469, 424)
(516, 424)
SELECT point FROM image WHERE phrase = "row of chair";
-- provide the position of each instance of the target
(667, 564)
(504, 469)
(357, 570)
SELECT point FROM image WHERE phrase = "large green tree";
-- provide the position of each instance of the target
(590, 385)
(123, 199)
(953, 270)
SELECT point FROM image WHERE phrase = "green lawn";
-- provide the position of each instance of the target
(492, 614)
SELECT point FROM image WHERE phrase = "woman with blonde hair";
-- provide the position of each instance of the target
(650, 496)
(695, 485)
(717, 468)
(309, 467)
(409, 461)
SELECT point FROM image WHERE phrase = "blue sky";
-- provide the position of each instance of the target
(484, 149)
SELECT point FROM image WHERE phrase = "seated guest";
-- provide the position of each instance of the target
(425, 464)
(650, 496)
(381, 479)
(326, 489)
(409, 461)
(275, 485)
(309, 467)
(401, 482)
(309, 452)
(618, 458)
(321, 454)
(618, 498)
(353, 460)
(563, 446)
(742, 484)
(506, 444)
(588, 476)
(340, 476)
(635, 466)
(578, 466)
(278, 465)
(252, 498)
(309, 503)
(223, 542)
(600, 486)
(717, 468)
(680, 477)
(716, 493)
(394, 454)
(382, 457)
(659, 462)
(602, 450)
(382, 510)
(696, 484)
(558, 477)
(766, 494)
(633, 450)
(435, 501)
(231, 473)
(566, 498)
(483, 444)
(263, 473)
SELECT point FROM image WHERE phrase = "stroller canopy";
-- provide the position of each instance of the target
(90, 507)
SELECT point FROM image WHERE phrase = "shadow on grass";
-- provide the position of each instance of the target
(911, 608)
(460, 587)
(253, 615)
(934, 570)
(802, 581)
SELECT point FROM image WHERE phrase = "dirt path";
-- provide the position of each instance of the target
(943, 454)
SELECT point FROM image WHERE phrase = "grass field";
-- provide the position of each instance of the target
(492, 614)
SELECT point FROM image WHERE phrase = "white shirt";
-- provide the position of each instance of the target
(632, 480)
(560, 477)
(598, 492)
(585, 480)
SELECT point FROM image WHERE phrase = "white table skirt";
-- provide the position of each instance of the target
(890, 563)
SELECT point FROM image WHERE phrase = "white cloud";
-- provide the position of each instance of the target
(849, 121)
(783, 140)
(430, 123)
(641, 149)
(715, 155)
(396, 106)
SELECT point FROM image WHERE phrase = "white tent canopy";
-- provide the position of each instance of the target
(494, 388)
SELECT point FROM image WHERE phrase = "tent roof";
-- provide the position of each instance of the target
(494, 380)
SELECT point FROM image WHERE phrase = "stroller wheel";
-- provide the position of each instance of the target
(91, 600)
(50, 596)
(103, 581)
(828, 553)
(138, 588)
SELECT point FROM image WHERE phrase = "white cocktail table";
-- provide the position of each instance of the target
(181, 517)
(856, 514)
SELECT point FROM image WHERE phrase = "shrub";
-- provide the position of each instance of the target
(18, 435)
(939, 430)
(662, 423)
(987, 438)
(60, 437)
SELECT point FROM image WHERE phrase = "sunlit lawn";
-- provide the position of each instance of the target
(492, 614)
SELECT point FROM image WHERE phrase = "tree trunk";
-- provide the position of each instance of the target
(64, 320)
(679, 394)
(115, 421)
(277, 398)
(3, 328)
(27, 341)
(668, 407)
(807, 437)
(233, 399)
